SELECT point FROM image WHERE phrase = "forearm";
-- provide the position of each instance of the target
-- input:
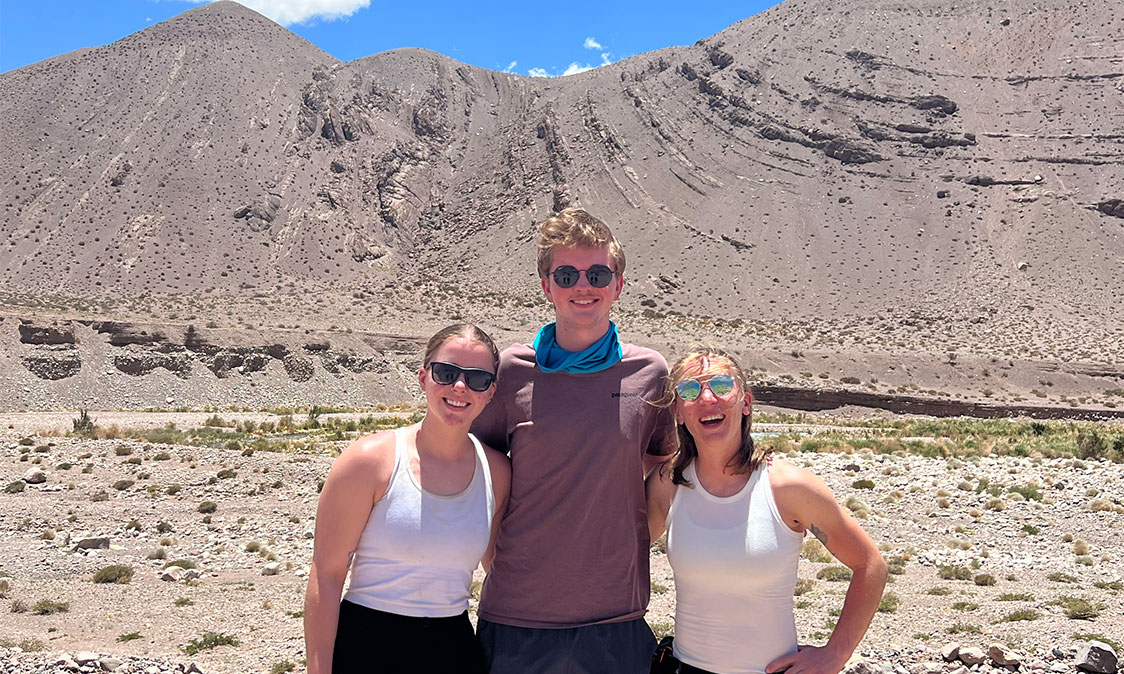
(321, 620)
(863, 597)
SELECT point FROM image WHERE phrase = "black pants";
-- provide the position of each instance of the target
(376, 642)
(610, 648)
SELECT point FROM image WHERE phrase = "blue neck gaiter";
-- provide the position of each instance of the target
(601, 355)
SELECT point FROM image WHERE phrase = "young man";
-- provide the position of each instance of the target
(569, 583)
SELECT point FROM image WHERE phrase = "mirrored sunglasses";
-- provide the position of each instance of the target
(690, 389)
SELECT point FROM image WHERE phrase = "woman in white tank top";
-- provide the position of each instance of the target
(410, 513)
(735, 519)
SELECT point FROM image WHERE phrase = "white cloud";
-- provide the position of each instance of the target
(605, 59)
(590, 43)
(575, 68)
(510, 67)
(538, 72)
(289, 12)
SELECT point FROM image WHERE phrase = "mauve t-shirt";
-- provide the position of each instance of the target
(573, 545)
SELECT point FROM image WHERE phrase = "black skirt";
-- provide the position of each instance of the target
(376, 642)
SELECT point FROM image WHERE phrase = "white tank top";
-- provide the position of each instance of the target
(417, 553)
(734, 561)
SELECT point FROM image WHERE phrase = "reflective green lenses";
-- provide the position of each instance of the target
(690, 389)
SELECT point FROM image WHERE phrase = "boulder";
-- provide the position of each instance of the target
(34, 476)
(191, 574)
(1098, 657)
(1002, 656)
(271, 569)
(172, 574)
(85, 658)
(950, 652)
(972, 656)
(110, 664)
(92, 543)
(862, 667)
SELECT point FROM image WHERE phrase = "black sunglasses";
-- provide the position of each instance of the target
(474, 378)
(598, 276)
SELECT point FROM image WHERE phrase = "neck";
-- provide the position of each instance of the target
(714, 461)
(579, 338)
(441, 441)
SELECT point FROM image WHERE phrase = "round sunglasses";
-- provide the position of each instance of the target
(474, 378)
(598, 276)
(690, 389)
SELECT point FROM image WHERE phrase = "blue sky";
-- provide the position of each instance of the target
(545, 38)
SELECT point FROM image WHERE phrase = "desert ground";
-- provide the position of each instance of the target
(985, 546)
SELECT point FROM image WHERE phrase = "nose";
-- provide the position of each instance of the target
(583, 280)
(707, 392)
(459, 384)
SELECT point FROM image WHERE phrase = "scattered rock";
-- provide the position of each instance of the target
(1002, 656)
(85, 658)
(172, 574)
(1097, 656)
(271, 569)
(92, 543)
(110, 664)
(972, 656)
(34, 476)
(950, 652)
(862, 667)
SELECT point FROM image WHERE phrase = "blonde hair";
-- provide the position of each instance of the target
(575, 227)
(749, 457)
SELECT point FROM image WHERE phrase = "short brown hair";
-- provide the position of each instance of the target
(575, 227)
(467, 331)
(749, 457)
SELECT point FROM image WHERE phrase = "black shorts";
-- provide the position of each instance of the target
(607, 648)
(377, 642)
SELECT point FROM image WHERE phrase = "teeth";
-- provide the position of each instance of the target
(456, 403)
(584, 302)
(713, 417)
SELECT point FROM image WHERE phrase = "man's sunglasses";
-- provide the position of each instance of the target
(474, 378)
(598, 276)
(690, 389)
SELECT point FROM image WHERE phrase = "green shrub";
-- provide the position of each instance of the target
(129, 637)
(122, 450)
(208, 641)
(99, 497)
(1021, 615)
(952, 572)
(1079, 608)
(227, 473)
(208, 507)
(803, 585)
(158, 553)
(984, 579)
(814, 551)
(122, 485)
(834, 573)
(84, 424)
(1015, 596)
(962, 628)
(889, 603)
(49, 606)
(939, 591)
(282, 667)
(15, 487)
(965, 606)
(184, 601)
(1059, 577)
(863, 484)
(114, 573)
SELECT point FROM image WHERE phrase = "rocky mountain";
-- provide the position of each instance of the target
(933, 175)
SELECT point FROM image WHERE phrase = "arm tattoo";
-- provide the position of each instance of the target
(818, 533)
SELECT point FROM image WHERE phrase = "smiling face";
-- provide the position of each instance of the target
(581, 312)
(456, 404)
(714, 422)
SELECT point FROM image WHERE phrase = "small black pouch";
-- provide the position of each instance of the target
(663, 662)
